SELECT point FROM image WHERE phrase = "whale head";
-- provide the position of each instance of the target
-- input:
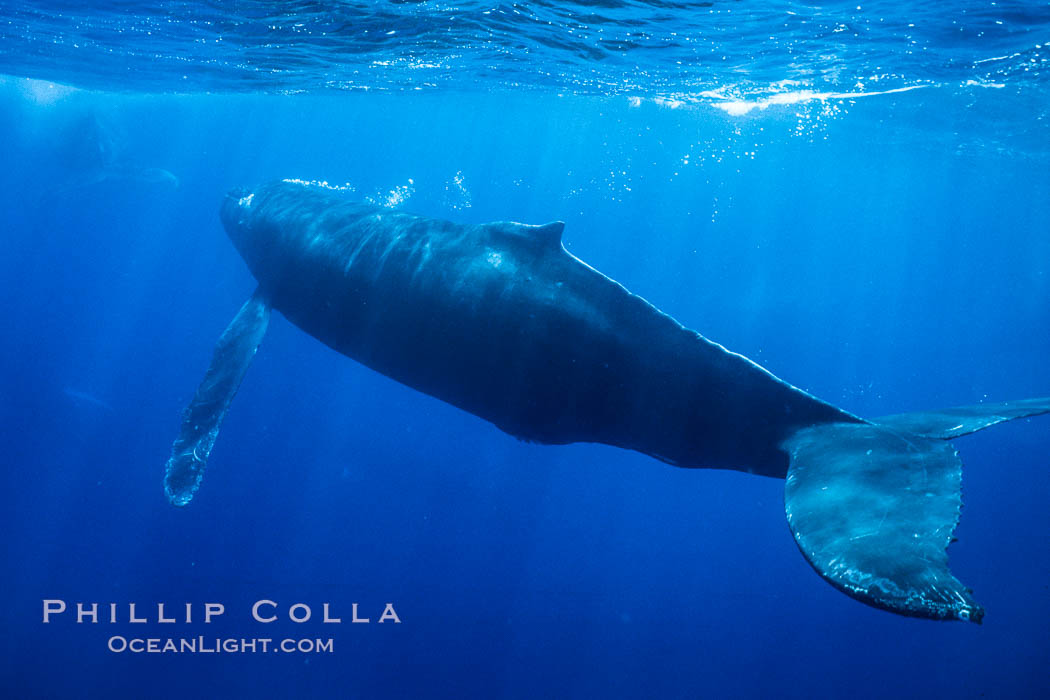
(234, 213)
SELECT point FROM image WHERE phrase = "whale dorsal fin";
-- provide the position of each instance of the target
(543, 235)
(549, 233)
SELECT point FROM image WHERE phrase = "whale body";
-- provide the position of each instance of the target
(501, 321)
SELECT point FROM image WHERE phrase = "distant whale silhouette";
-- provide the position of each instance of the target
(93, 154)
(501, 321)
(84, 398)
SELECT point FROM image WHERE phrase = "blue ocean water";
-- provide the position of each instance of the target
(855, 196)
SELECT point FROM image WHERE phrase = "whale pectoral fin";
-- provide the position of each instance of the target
(952, 422)
(203, 417)
(873, 512)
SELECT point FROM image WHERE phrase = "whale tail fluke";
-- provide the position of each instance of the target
(873, 506)
(203, 417)
(950, 423)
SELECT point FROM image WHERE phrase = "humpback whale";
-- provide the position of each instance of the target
(502, 321)
(93, 153)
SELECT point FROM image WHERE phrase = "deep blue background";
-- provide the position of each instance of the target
(887, 255)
